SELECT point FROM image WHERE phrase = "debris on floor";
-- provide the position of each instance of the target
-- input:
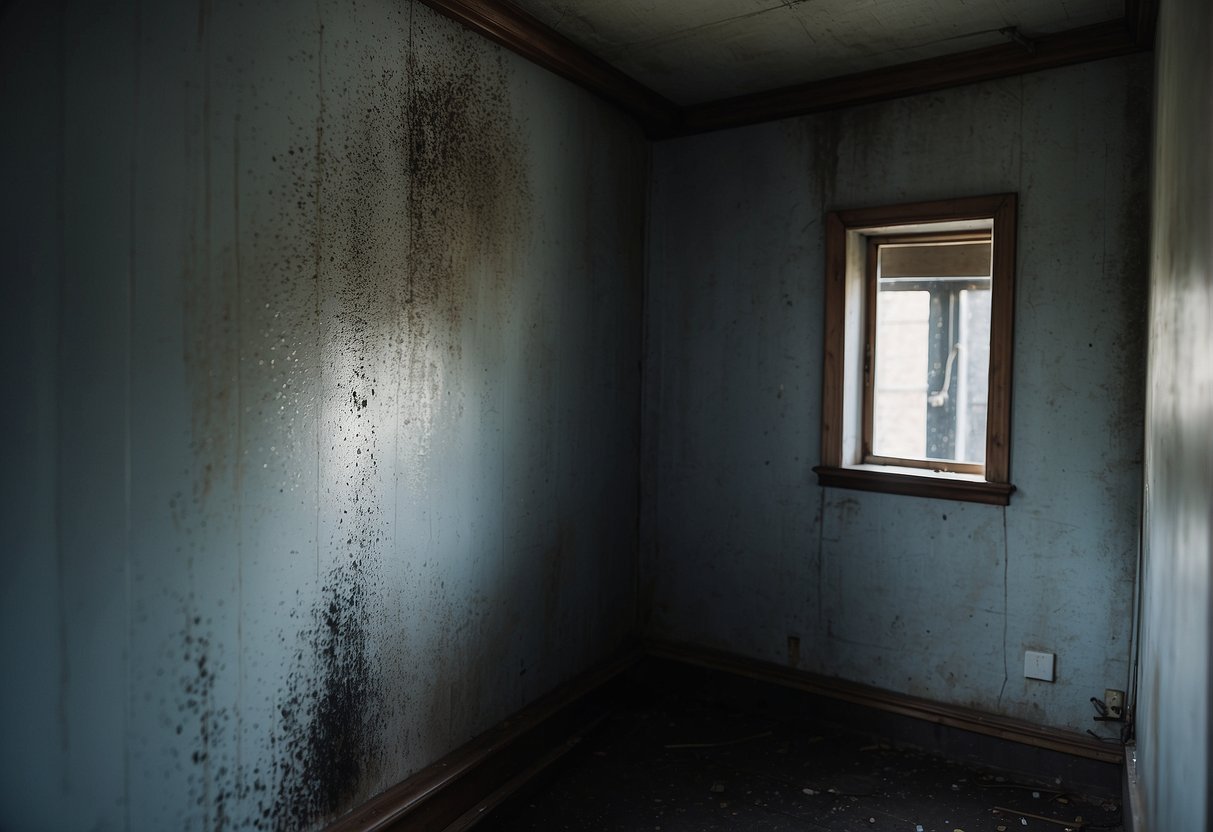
(782, 773)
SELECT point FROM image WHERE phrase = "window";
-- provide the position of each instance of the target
(917, 378)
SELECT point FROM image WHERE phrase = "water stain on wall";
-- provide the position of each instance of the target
(467, 179)
(210, 362)
(559, 558)
(210, 290)
(1130, 341)
(468, 218)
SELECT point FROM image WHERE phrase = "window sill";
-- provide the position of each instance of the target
(940, 486)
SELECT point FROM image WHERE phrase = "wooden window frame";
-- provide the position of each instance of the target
(849, 333)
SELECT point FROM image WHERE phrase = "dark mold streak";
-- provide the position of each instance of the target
(211, 786)
(459, 152)
(468, 190)
(338, 311)
(328, 715)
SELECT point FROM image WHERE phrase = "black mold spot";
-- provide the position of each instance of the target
(329, 720)
(199, 707)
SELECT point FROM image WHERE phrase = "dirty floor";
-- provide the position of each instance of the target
(679, 757)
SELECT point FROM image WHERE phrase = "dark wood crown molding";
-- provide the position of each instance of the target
(524, 34)
(1089, 43)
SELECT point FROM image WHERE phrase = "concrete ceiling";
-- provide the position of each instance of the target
(692, 51)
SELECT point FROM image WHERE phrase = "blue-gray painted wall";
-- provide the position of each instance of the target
(933, 598)
(322, 347)
(1175, 717)
(322, 334)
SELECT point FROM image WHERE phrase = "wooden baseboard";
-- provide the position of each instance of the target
(1007, 728)
(458, 790)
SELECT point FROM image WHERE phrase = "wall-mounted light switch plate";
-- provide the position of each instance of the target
(1038, 665)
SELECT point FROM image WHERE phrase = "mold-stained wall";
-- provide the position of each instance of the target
(933, 598)
(323, 332)
(1175, 717)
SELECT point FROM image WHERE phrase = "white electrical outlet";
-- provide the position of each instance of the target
(1038, 665)
(1115, 700)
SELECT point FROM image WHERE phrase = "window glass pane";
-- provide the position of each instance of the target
(932, 355)
(899, 417)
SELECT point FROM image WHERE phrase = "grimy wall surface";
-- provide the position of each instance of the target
(742, 549)
(1175, 718)
(321, 341)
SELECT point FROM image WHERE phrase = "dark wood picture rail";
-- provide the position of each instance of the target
(522, 33)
